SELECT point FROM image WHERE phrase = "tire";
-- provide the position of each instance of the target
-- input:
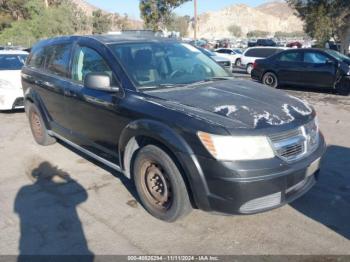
(249, 69)
(270, 79)
(160, 185)
(342, 88)
(37, 126)
(238, 62)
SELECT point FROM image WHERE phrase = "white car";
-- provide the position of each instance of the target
(233, 54)
(251, 54)
(11, 93)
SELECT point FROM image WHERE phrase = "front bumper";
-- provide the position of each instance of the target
(252, 188)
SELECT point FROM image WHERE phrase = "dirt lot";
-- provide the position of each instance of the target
(88, 209)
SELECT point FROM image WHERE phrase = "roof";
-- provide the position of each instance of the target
(109, 38)
(13, 52)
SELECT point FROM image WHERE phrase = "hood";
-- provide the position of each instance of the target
(236, 104)
(12, 76)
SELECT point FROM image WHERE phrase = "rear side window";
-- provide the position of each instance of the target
(291, 57)
(58, 61)
(37, 58)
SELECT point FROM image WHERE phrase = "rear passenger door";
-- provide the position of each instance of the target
(50, 76)
(289, 67)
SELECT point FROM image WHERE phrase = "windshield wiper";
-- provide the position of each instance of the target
(160, 86)
(211, 79)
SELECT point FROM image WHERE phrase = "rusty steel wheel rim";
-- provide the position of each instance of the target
(156, 186)
(36, 125)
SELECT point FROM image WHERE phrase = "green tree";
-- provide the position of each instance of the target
(324, 19)
(235, 30)
(179, 24)
(156, 13)
(102, 23)
(62, 19)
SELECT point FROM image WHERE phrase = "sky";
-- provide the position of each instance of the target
(131, 7)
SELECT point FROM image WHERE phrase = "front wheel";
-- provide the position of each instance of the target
(270, 79)
(249, 69)
(238, 62)
(160, 185)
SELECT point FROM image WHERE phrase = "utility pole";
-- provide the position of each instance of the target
(195, 20)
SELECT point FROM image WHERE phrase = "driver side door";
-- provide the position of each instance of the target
(94, 116)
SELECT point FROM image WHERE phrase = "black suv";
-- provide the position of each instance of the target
(175, 122)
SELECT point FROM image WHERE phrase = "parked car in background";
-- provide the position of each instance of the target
(11, 93)
(265, 42)
(224, 62)
(321, 68)
(178, 125)
(251, 54)
(233, 54)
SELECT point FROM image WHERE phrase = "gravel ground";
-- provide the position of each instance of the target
(88, 209)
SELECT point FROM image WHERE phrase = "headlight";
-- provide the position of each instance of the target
(232, 148)
(5, 84)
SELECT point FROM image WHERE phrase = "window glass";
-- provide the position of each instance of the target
(262, 52)
(87, 60)
(315, 58)
(12, 62)
(291, 57)
(58, 62)
(167, 63)
(37, 58)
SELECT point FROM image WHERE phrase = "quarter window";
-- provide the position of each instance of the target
(315, 58)
(58, 62)
(87, 60)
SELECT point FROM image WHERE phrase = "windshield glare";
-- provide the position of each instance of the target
(12, 62)
(337, 55)
(166, 64)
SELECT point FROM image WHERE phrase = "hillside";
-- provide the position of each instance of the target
(271, 17)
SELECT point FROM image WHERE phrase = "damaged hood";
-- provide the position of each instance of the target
(235, 104)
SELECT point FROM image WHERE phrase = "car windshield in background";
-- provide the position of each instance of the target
(12, 62)
(155, 65)
(338, 56)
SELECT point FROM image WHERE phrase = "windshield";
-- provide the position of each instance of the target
(166, 64)
(12, 62)
(338, 56)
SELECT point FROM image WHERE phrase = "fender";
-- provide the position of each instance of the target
(155, 130)
(31, 96)
(163, 134)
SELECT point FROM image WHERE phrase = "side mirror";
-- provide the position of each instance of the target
(99, 81)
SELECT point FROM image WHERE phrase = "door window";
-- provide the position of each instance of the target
(87, 60)
(315, 58)
(291, 57)
(37, 58)
(58, 61)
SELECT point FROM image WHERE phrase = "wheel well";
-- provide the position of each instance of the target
(136, 143)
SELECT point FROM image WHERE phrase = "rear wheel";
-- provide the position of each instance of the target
(270, 79)
(37, 126)
(160, 185)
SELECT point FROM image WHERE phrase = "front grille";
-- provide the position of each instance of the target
(261, 203)
(297, 143)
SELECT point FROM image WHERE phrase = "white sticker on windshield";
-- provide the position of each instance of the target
(190, 47)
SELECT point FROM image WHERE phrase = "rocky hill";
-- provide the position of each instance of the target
(271, 17)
